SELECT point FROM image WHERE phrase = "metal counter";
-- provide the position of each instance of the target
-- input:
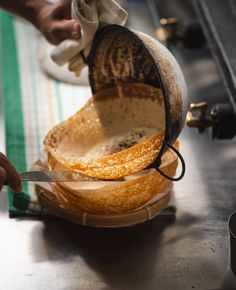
(189, 252)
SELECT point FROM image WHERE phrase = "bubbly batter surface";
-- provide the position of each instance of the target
(118, 143)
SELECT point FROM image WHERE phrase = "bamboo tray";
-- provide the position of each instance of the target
(148, 212)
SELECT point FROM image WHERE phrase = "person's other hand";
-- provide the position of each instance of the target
(9, 174)
(54, 21)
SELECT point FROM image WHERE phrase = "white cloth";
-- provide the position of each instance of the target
(61, 73)
(91, 14)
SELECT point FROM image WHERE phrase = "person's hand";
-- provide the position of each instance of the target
(54, 21)
(9, 174)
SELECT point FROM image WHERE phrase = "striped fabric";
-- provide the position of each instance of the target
(33, 103)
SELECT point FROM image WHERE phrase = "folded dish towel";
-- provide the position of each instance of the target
(91, 14)
(33, 104)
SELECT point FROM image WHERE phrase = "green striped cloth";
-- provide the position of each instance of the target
(33, 103)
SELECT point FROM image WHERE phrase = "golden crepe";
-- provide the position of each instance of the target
(114, 137)
(115, 196)
(117, 133)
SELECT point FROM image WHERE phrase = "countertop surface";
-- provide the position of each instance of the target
(188, 252)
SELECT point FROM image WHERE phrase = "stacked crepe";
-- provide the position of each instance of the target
(112, 141)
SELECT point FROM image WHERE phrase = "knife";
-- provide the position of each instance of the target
(55, 176)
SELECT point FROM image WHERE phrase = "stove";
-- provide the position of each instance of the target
(195, 25)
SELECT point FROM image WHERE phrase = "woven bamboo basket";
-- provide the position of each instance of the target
(51, 199)
(148, 212)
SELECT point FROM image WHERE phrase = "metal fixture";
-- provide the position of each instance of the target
(221, 120)
(198, 120)
(173, 31)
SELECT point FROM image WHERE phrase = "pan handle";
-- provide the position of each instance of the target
(182, 163)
